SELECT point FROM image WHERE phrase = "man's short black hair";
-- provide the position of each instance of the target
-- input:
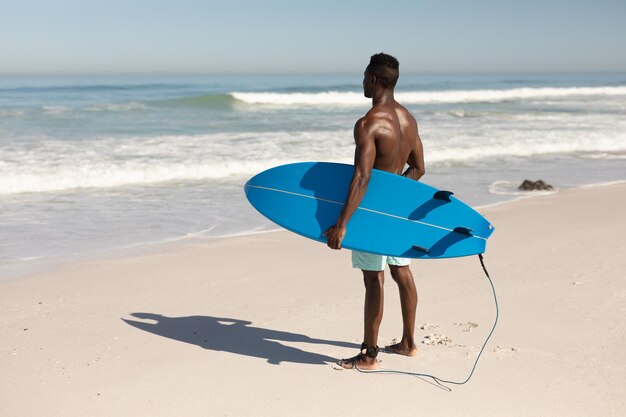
(386, 69)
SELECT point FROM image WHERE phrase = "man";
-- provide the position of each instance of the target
(386, 138)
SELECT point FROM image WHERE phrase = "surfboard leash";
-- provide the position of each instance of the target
(439, 381)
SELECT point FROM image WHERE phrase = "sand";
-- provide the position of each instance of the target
(251, 326)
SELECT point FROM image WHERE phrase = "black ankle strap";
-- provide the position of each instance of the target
(369, 351)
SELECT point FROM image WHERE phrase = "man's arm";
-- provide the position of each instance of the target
(416, 167)
(364, 158)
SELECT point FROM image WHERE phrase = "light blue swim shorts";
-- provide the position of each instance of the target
(372, 262)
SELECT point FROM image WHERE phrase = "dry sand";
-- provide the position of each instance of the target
(251, 326)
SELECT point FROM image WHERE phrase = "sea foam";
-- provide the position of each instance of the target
(107, 163)
(425, 97)
(47, 165)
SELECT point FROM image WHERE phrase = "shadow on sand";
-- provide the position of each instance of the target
(235, 336)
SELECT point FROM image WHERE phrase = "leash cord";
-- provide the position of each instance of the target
(439, 381)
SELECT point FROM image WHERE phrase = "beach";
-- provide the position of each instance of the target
(252, 325)
(141, 275)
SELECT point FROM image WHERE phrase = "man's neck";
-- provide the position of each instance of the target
(383, 96)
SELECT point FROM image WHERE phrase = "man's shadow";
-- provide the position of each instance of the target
(235, 336)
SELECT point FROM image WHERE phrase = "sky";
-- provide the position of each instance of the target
(314, 36)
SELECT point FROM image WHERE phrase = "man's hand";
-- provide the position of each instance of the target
(335, 235)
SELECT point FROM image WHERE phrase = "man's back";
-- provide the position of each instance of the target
(395, 135)
(386, 138)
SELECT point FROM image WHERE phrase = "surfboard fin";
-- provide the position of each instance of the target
(420, 249)
(443, 195)
(463, 230)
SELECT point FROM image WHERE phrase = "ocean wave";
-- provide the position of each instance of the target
(51, 165)
(116, 107)
(55, 110)
(12, 113)
(213, 101)
(234, 100)
(287, 99)
(424, 97)
(111, 175)
(583, 145)
(606, 155)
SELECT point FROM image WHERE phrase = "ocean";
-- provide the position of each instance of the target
(90, 164)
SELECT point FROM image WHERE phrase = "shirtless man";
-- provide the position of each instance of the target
(386, 138)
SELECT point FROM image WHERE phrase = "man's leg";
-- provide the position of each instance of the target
(374, 300)
(408, 301)
(373, 315)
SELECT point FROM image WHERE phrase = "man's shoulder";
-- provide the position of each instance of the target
(400, 108)
(379, 113)
(370, 123)
(364, 127)
(404, 114)
(370, 117)
(371, 120)
(361, 123)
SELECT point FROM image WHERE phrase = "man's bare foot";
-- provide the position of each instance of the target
(359, 361)
(402, 349)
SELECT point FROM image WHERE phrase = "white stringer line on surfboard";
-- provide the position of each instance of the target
(358, 208)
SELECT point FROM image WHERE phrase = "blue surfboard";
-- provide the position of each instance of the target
(397, 216)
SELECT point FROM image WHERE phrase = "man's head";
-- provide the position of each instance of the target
(383, 70)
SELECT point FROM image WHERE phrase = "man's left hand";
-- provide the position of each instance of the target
(335, 235)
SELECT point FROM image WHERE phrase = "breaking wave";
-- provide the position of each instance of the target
(51, 166)
(425, 97)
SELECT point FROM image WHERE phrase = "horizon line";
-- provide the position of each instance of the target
(282, 73)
